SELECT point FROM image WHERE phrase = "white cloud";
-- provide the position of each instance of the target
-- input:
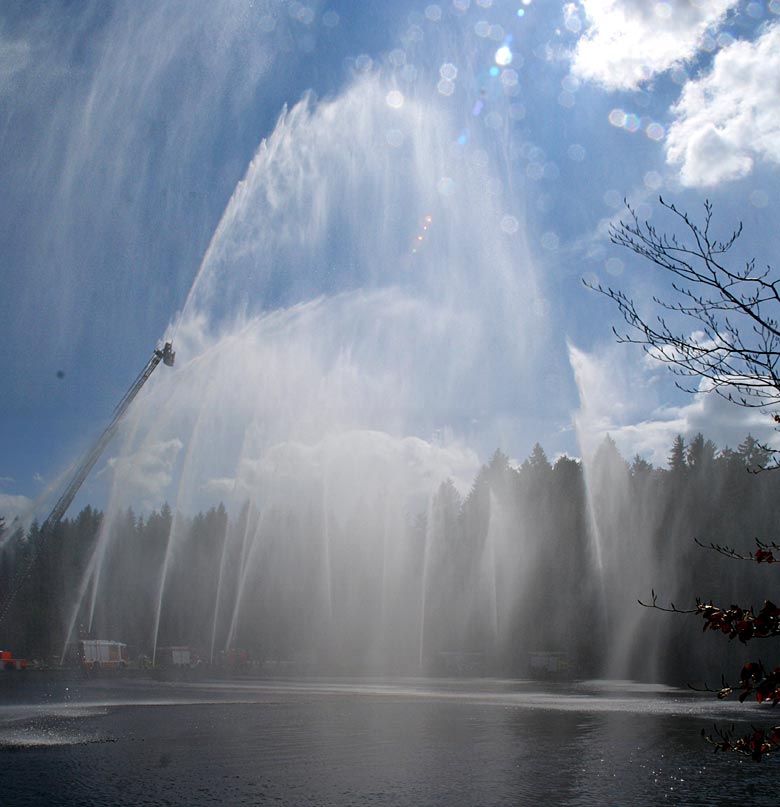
(149, 470)
(350, 464)
(223, 486)
(727, 119)
(619, 396)
(12, 506)
(627, 42)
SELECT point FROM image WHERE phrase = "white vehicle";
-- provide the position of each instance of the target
(102, 654)
(174, 656)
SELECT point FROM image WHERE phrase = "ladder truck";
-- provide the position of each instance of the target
(165, 355)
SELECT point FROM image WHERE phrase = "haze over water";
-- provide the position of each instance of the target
(366, 312)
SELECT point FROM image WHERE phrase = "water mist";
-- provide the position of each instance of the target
(367, 288)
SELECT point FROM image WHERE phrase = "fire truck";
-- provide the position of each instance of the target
(102, 654)
(8, 662)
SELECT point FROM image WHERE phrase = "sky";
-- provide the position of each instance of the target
(354, 216)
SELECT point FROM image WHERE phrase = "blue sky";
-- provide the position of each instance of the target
(516, 128)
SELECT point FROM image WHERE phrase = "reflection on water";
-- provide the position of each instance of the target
(42, 726)
(406, 742)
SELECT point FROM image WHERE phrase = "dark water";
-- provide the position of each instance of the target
(399, 743)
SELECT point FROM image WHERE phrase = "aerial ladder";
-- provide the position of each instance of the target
(165, 355)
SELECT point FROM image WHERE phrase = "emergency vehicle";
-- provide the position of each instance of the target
(8, 662)
(102, 654)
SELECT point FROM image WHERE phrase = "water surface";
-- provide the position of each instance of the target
(371, 742)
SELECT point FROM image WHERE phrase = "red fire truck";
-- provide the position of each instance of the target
(8, 662)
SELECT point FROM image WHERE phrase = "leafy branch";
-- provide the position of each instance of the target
(737, 622)
(756, 744)
(755, 680)
(741, 623)
(764, 553)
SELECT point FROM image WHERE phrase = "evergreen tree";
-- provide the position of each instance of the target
(754, 455)
(640, 468)
(538, 461)
(677, 461)
(700, 454)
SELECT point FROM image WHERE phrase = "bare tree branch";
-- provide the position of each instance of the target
(733, 315)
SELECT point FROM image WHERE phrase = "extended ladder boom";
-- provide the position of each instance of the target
(166, 355)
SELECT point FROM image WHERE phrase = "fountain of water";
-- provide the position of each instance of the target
(366, 286)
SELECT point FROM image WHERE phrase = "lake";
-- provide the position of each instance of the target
(398, 742)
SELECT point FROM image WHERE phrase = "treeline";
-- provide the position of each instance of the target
(541, 558)
(117, 593)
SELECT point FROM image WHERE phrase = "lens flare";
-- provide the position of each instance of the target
(617, 117)
(503, 56)
(394, 99)
(655, 131)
